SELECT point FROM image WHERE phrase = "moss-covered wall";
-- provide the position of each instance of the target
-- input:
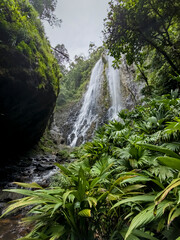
(29, 75)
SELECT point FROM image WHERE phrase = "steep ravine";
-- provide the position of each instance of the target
(40, 166)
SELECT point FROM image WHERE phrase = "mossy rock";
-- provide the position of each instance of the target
(29, 76)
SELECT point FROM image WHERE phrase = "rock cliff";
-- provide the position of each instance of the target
(29, 77)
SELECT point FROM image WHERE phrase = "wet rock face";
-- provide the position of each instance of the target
(65, 118)
(29, 78)
(24, 109)
(130, 90)
(37, 169)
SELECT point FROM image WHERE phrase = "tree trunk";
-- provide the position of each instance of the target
(176, 70)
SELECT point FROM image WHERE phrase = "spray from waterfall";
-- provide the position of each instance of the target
(88, 115)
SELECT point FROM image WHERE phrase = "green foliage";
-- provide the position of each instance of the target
(125, 183)
(46, 9)
(145, 217)
(147, 33)
(122, 185)
(74, 81)
(22, 33)
(46, 144)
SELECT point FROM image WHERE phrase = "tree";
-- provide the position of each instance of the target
(61, 54)
(92, 48)
(46, 9)
(135, 24)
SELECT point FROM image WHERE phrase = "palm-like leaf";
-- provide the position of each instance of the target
(145, 217)
(173, 163)
(166, 151)
(102, 166)
(173, 127)
(137, 199)
(161, 196)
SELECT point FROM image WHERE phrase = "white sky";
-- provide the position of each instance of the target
(82, 24)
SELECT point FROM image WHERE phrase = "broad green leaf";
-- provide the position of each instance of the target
(85, 213)
(173, 126)
(174, 213)
(170, 162)
(102, 197)
(145, 217)
(160, 149)
(82, 185)
(113, 197)
(135, 179)
(20, 203)
(63, 169)
(143, 234)
(20, 191)
(130, 237)
(56, 232)
(53, 191)
(120, 180)
(129, 215)
(48, 197)
(28, 185)
(178, 197)
(65, 196)
(57, 205)
(71, 197)
(133, 187)
(94, 182)
(160, 197)
(137, 235)
(141, 198)
(92, 201)
(77, 205)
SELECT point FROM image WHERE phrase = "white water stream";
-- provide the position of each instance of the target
(113, 76)
(89, 111)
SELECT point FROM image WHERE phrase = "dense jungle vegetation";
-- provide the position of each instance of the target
(147, 33)
(22, 34)
(125, 183)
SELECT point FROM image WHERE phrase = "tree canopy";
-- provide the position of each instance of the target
(133, 25)
(46, 9)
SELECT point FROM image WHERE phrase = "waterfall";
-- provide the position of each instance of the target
(88, 113)
(90, 110)
(113, 76)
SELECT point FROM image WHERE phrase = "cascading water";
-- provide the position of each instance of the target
(113, 76)
(89, 113)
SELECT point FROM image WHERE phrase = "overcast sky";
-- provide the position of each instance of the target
(82, 24)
